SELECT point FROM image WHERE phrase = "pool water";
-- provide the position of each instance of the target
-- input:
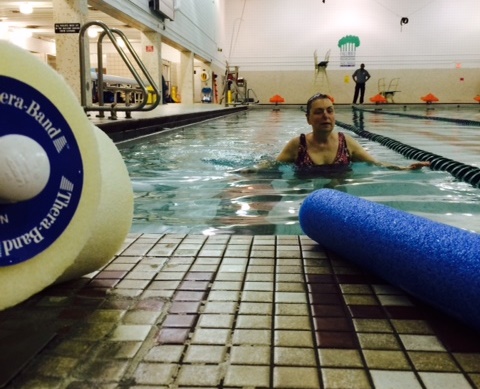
(184, 180)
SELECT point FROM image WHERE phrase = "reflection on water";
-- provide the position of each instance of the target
(184, 181)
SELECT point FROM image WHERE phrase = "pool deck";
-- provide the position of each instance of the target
(232, 311)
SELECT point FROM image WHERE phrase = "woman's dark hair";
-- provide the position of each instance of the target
(316, 96)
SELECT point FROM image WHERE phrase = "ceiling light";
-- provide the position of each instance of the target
(26, 8)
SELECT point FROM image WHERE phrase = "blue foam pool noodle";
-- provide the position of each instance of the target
(434, 262)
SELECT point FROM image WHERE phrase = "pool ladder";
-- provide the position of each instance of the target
(149, 93)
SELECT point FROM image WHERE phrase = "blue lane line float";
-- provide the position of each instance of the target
(434, 262)
(467, 173)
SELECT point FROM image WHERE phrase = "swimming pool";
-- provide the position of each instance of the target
(184, 182)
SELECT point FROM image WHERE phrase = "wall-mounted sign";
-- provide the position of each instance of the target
(67, 28)
(149, 48)
(348, 46)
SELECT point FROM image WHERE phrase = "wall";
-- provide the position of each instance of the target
(297, 86)
(274, 41)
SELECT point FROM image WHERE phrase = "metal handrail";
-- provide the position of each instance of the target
(111, 33)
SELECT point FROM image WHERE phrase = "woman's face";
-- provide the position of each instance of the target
(322, 115)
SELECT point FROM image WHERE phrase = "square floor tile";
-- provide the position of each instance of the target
(223, 295)
(367, 312)
(339, 358)
(155, 373)
(255, 295)
(414, 327)
(179, 321)
(383, 379)
(378, 341)
(332, 324)
(287, 338)
(332, 339)
(228, 307)
(199, 375)
(386, 360)
(205, 354)
(359, 299)
(165, 353)
(421, 342)
(247, 376)
(210, 336)
(185, 307)
(173, 335)
(252, 337)
(248, 308)
(293, 356)
(128, 332)
(468, 361)
(327, 310)
(372, 325)
(288, 309)
(215, 321)
(345, 378)
(254, 321)
(292, 323)
(227, 285)
(258, 286)
(290, 297)
(250, 355)
(444, 381)
(433, 361)
(295, 377)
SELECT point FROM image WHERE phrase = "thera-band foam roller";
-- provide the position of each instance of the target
(66, 200)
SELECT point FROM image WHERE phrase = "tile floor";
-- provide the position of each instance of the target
(194, 311)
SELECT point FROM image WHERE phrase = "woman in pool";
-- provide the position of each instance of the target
(325, 147)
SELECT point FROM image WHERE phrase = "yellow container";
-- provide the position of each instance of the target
(175, 96)
(152, 97)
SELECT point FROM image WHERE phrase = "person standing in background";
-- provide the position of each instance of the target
(360, 76)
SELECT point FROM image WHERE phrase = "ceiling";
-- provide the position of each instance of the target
(40, 22)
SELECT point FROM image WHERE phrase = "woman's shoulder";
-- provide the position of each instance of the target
(351, 142)
(348, 137)
(296, 140)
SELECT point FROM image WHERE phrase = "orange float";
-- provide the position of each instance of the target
(430, 98)
(477, 98)
(277, 99)
(378, 99)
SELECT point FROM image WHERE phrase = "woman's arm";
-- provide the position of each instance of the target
(290, 151)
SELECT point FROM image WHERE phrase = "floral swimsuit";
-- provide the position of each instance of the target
(342, 158)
